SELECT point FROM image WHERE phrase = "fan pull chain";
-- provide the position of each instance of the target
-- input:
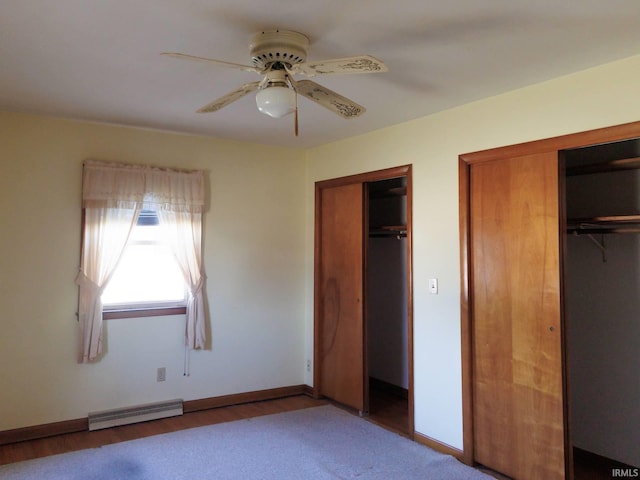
(295, 117)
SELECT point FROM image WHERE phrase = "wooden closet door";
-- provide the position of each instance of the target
(515, 299)
(339, 318)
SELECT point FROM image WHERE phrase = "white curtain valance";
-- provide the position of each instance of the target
(115, 185)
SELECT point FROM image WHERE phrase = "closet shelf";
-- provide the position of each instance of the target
(604, 224)
(390, 192)
(611, 166)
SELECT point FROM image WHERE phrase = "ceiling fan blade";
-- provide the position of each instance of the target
(329, 99)
(229, 98)
(237, 66)
(361, 64)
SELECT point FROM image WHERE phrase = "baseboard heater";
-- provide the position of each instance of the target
(139, 413)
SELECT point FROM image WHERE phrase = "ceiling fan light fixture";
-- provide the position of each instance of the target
(276, 101)
(278, 55)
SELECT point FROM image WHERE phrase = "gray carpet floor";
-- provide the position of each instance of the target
(319, 443)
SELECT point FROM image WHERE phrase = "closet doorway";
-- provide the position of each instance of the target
(363, 299)
(602, 301)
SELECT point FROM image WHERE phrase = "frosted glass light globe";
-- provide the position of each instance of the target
(276, 101)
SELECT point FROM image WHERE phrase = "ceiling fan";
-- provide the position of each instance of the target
(278, 55)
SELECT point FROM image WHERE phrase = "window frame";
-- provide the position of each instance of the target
(142, 309)
(140, 312)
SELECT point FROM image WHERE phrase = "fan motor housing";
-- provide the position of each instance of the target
(278, 46)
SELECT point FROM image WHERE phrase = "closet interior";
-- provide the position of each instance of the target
(387, 332)
(602, 302)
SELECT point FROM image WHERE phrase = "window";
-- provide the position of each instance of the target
(142, 233)
(148, 276)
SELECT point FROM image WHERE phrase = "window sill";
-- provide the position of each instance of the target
(142, 312)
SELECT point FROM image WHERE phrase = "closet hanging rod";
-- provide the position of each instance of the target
(398, 231)
(588, 230)
(397, 235)
(604, 224)
(607, 219)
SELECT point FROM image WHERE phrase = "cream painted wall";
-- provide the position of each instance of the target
(254, 255)
(603, 96)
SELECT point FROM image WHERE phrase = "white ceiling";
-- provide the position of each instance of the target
(99, 59)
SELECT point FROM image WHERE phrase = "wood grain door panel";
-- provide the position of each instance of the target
(516, 311)
(341, 323)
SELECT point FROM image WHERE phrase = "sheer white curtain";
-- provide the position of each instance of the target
(112, 198)
(113, 195)
(184, 231)
(105, 236)
(179, 201)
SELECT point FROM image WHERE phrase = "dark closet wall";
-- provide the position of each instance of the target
(388, 357)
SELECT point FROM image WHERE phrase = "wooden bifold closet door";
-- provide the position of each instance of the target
(516, 313)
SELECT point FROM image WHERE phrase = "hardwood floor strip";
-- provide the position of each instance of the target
(27, 450)
(389, 410)
(591, 466)
(377, 384)
(586, 467)
(81, 424)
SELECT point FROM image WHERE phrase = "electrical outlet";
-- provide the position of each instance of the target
(162, 374)
(308, 365)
